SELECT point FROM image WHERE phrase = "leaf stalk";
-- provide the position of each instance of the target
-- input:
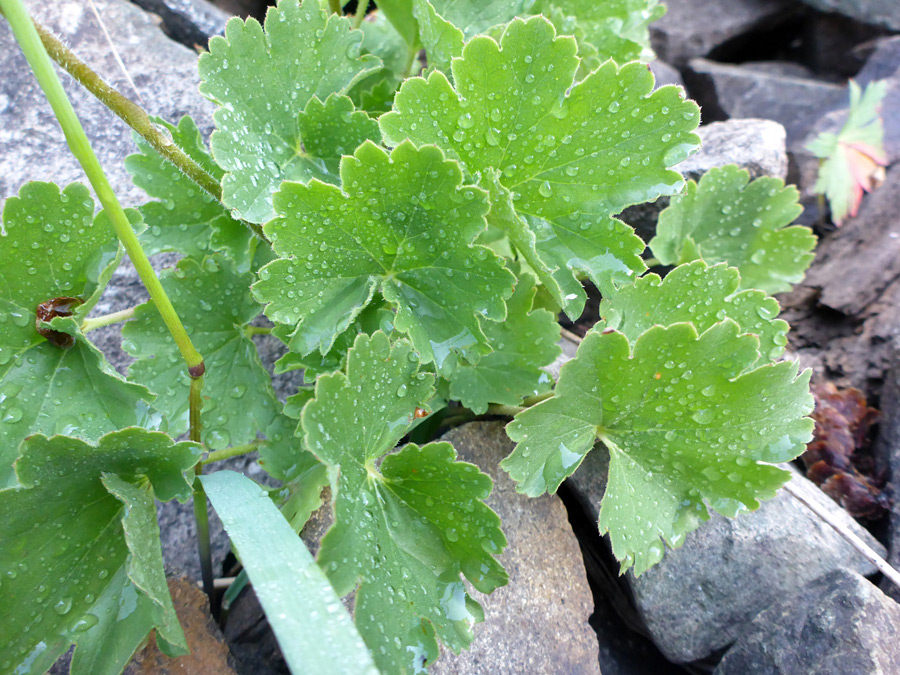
(96, 322)
(228, 453)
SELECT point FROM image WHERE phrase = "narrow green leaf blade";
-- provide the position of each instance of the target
(314, 631)
(687, 426)
(262, 82)
(725, 218)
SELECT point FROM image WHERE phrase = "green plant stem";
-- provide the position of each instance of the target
(411, 59)
(362, 8)
(534, 400)
(106, 320)
(27, 36)
(250, 331)
(652, 262)
(335, 6)
(201, 509)
(133, 115)
(228, 453)
(505, 410)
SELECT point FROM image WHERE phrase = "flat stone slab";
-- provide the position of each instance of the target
(538, 623)
(838, 623)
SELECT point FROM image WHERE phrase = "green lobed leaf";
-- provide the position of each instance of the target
(376, 316)
(724, 219)
(403, 225)
(686, 426)
(617, 29)
(568, 155)
(184, 218)
(214, 302)
(473, 16)
(65, 539)
(313, 629)
(54, 247)
(523, 345)
(403, 531)
(284, 457)
(699, 294)
(271, 123)
(852, 157)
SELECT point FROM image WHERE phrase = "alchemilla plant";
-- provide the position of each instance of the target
(412, 198)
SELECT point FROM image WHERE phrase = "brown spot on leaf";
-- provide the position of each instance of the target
(49, 310)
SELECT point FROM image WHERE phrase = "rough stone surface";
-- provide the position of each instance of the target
(887, 456)
(539, 622)
(729, 91)
(880, 12)
(838, 623)
(681, 34)
(665, 74)
(32, 146)
(757, 145)
(702, 596)
(190, 22)
(209, 653)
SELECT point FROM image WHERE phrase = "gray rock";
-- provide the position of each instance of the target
(190, 22)
(879, 12)
(681, 34)
(757, 145)
(838, 623)
(728, 91)
(32, 146)
(704, 595)
(539, 622)
(665, 74)
(887, 455)
(753, 144)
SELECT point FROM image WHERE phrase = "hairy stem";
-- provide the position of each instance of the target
(40, 63)
(133, 115)
(362, 8)
(228, 453)
(106, 320)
